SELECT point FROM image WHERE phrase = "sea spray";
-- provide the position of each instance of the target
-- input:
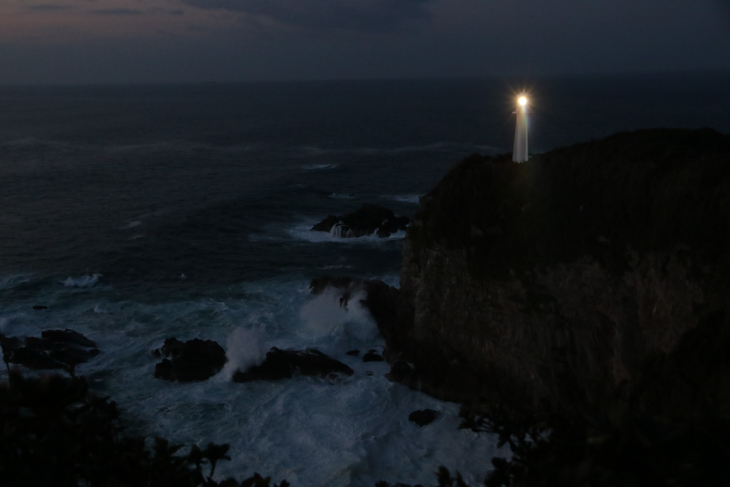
(245, 348)
(335, 320)
(83, 281)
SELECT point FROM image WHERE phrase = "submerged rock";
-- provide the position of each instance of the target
(285, 364)
(193, 360)
(367, 220)
(423, 417)
(56, 349)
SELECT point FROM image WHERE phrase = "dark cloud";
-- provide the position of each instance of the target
(134, 11)
(119, 11)
(49, 7)
(327, 15)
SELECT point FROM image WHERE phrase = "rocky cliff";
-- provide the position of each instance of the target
(599, 270)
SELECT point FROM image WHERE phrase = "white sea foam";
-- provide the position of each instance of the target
(309, 431)
(245, 348)
(404, 198)
(339, 230)
(338, 323)
(9, 282)
(83, 281)
(303, 231)
(342, 196)
(133, 223)
(103, 310)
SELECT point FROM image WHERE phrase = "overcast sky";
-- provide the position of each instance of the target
(120, 41)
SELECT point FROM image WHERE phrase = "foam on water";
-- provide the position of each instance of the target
(310, 431)
(83, 281)
(104, 310)
(342, 196)
(404, 198)
(303, 231)
(9, 282)
(338, 325)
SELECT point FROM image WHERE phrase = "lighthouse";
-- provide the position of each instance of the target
(519, 153)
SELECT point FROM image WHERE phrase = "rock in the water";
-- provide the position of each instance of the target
(367, 220)
(422, 417)
(39, 306)
(56, 349)
(353, 353)
(9, 344)
(284, 364)
(372, 356)
(193, 360)
(67, 336)
(35, 359)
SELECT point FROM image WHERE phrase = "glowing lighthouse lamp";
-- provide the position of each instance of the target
(519, 154)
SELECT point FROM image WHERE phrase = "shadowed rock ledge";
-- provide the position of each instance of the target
(592, 271)
(368, 220)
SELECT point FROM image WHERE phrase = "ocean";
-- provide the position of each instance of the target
(138, 213)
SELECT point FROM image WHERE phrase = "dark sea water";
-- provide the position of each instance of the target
(137, 213)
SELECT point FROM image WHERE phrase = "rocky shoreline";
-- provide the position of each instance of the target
(593, 279)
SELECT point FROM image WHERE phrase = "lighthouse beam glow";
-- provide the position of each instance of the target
(519, 153)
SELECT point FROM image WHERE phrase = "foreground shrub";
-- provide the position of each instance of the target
(610, 447)
(53, 432)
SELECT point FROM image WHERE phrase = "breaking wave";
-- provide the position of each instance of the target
(83, 281)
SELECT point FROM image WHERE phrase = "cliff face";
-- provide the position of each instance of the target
(591, 271)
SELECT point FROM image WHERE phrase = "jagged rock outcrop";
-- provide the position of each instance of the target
(372, 356)
(55, 349)
(591, 271)
(285, 364)
(193, 360)
(367, 220)
(422, 417)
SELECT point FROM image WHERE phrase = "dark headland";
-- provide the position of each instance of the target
(578, 305)
(593, 270)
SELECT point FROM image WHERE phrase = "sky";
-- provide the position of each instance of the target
(154, 41)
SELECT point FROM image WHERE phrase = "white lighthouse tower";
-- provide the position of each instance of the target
(519, 153)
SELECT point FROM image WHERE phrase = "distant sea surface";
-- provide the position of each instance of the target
(137, 213)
